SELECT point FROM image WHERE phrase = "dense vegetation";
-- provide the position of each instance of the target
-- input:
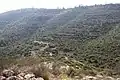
(89, 34)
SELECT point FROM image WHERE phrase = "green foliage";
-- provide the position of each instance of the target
(90, 34)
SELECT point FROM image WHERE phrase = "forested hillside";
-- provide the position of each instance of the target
(88, 34)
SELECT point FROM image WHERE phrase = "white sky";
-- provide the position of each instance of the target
(7, 5)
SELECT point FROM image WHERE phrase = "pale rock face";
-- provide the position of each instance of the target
(28, 76)
(64, 68)
(31, 79)
(109, 78)
(2, 78)
(51, 54)
(49, 65)
(89, 78)
(7, 73)
(21, 76)
(118, 78)
(12, 78)
(39, 78)
(99, 77)
(66, 58)
(35, 79)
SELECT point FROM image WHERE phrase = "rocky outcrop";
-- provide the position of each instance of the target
(10, 75)
(99, 77)
(29, 76)
(51, 70)
(7, 73)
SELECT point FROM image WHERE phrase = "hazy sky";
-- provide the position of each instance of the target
(6, 5)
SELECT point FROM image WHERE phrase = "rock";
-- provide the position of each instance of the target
(31, 79)
(53, 49)
(49, 65)
(21, 76)
(109, 78)
(7, 73)
(50, 54)
(28, 76)
(51, 46)
(89, 78)
(66, 58)
(39, 78)
(35, 79)
(12, 78)
(99, 77)
(2, 78)
(64, 67)
(118, 79)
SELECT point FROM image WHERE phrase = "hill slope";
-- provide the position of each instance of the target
(89, 34)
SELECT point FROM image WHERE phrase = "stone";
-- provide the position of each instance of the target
(12, 78)
(35, 79)
(118, 79)
(31, 79)
(28, 76)
(89, 78)
(109, 78)
(21, 78)
(21, 75)
(50, 54)
(7, 73)
(39, 78)
(2, 78)
(51, 46)
(99, 77)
